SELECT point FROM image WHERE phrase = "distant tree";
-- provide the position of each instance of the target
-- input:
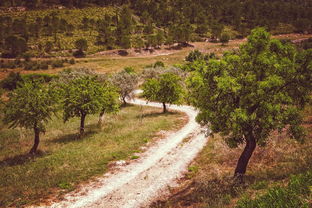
(55, 25)
(12, 81)
(110, 101)
(224, 38)
(216, 30)
(31, 106)
(149, 28)
(181, 33)
(166, 88)
(138, 42)
(126, 82)
(48, 46)
(125, 42)
(194, 55)
(82, 96)
(81, 45)
(15, 45)
(160, 38)
(248, 95)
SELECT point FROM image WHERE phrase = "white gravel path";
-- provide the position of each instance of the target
(142, 181)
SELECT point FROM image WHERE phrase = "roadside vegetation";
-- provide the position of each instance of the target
(277, 145)
(279, 175)
(57, 131)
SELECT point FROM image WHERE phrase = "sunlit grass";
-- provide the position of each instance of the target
(65, 161)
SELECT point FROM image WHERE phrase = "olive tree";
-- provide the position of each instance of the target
(31, 106)
(126, 81)
(248, 94)
(167, 88)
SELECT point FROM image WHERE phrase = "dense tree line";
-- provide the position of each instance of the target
(149, 24)
(239, 13)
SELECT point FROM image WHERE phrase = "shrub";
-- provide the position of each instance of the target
(57, 63)
(225, 38)
(159, 64)
(72, 61)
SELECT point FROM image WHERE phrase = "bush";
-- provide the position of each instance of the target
(159, 64)
(194, 55)
(72, 61)
(57, 63)
(129, 70)
(225, 38)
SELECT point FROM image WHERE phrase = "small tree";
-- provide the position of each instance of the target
(12, 81)
(194, 56)
(224, 38)
(167, 88)
(31, 106)
(245, 97)
(81, 45)
(110, 101)
(15, 45)
(126, 82)
(82, 96)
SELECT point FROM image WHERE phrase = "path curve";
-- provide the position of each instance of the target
(148, 178)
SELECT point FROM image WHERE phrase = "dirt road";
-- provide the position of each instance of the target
(149, 177)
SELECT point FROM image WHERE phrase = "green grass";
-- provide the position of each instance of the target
(64, 160)
(296, 194)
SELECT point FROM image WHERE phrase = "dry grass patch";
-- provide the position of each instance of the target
(209, 182)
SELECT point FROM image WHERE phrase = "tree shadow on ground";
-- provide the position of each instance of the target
(75, 137)
(21, 159)
(155, 114)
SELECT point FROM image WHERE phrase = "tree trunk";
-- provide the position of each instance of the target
(124, 101)
(82, 124)
(36, 141)
(101, 118)
(245, 156)
(165, 108)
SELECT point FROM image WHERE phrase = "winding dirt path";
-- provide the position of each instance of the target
(148, 178)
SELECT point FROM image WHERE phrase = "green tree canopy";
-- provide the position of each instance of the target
(31, 106)
(246, 96)
(126, 81)
(110, 100)
(166, 88)
(15, 45)
(82, 96)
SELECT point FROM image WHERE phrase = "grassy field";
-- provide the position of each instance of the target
(209, 180)
(64, 161)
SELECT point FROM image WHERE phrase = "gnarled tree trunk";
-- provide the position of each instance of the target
(36, 141)
(101, 118)
(82, 124)
(165, 108)
(243, 160)
(124, 100)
